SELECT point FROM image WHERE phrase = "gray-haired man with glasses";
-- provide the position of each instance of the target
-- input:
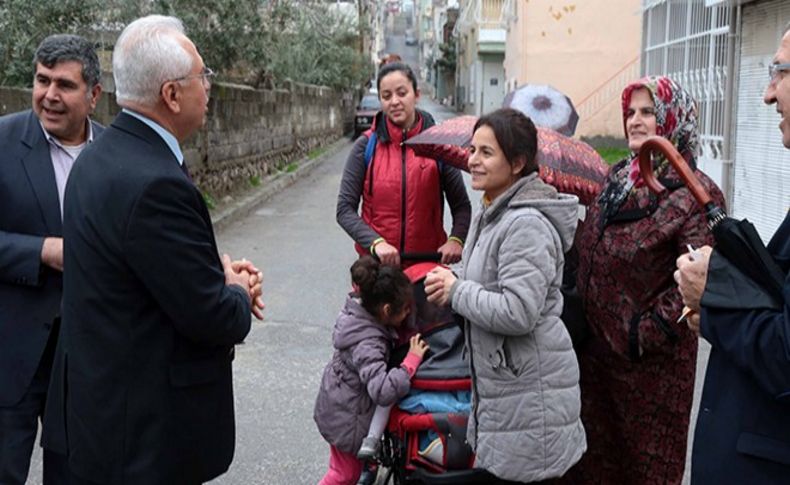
(205, 76)
(151, 313)
(743, 427)
(775, 70)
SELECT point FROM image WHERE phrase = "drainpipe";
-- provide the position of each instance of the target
(728, 147)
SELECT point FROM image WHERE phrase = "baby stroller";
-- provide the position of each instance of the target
(425, 441)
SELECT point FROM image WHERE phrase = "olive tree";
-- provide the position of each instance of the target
(25, 23)
(244, 40)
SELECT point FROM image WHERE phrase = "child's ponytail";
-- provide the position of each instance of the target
(380, 284)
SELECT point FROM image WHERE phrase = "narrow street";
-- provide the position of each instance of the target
(252, 98)
(305, 257)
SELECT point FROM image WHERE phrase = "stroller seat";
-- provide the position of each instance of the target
(443, 372)
(434, 440)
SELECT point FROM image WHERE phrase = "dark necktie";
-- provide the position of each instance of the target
(184, 169)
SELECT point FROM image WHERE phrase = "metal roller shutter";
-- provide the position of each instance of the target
(761, 179)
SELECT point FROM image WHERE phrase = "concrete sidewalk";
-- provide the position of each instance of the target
(240, 205)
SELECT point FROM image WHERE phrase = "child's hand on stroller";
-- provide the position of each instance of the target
(417, 345)
(417, 349)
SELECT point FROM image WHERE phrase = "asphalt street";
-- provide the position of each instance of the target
(305, 258)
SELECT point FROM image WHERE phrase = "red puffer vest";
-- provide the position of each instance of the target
(402, 199)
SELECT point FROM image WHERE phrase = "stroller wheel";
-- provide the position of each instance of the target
(369, 474)
(376, 474)
(384, 476)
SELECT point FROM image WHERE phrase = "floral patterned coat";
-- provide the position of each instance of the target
(638, 366)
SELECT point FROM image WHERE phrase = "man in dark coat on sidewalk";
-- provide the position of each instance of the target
(38, 148)
(743, 427)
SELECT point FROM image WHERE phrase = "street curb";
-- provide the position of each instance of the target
(270, 186)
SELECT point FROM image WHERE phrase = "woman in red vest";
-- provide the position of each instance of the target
(402, 193)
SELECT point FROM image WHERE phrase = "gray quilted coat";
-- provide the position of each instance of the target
(357, 379)
(525, 423)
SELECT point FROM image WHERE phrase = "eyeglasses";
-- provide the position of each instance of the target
(775, 69)
(205, 76)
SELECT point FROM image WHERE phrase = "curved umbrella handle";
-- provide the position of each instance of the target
(662, 145)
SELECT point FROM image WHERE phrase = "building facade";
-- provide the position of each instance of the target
(480, 42)
(588, 50)
(719, 51)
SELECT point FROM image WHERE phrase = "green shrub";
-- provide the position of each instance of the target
(315, 153)
(211, 203)
(613, 155)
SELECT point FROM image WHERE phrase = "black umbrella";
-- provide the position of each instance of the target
(741, 273)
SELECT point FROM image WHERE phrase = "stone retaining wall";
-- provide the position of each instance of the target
(248, 133)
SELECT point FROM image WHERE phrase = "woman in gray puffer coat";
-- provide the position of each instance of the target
(524, 425)
(356, 380)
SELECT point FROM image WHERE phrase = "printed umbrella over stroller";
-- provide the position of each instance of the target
(741, 272)
(570, 165)
(546, 106)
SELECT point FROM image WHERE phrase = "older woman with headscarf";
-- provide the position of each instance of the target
(638, 366)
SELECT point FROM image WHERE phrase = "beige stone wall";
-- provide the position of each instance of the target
(586, 49)
(247, 133)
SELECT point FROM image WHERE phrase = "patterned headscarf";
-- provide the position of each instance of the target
(676, 120)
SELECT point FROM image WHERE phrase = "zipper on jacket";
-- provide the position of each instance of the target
(468, 346)
(468, 332)
(370, 174)
(403, 193)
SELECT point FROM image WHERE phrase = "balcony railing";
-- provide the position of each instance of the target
(608, 91)
(483, 14)
(491, 14)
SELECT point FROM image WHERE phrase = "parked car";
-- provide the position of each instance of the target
(411, 39)
(372, 87)
(367, 109)
(393, 6)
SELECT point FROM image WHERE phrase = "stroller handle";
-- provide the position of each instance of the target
(433, 257)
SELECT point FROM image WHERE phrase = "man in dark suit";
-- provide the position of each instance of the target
(743, 427)
(37, 150)
(151, 313)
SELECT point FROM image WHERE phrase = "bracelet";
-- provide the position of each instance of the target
(373, 245)
(456, 239)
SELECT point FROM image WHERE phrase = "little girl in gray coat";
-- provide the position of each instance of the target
(357, 380)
